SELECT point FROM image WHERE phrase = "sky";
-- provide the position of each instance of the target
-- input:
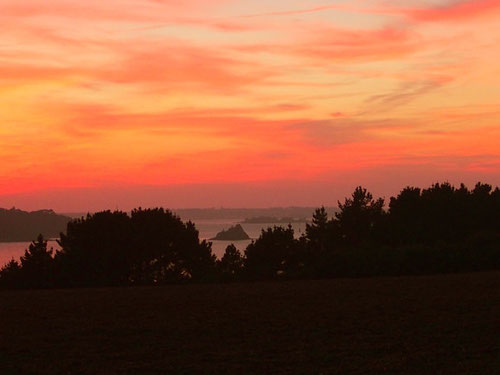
(244, 103)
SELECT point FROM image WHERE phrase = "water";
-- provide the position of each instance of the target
(208, 228)
(9, 250)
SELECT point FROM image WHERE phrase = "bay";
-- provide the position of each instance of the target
(207, 228)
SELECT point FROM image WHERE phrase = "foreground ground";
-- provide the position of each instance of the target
(446, 324)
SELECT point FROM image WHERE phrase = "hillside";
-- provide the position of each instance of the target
(17, 225)
(447, 324)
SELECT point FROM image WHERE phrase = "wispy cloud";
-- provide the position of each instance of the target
(404, 93)
(456, 11)
(297, 11)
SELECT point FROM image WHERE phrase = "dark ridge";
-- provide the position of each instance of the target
(275, 220)
(242, 213)
(17, 225)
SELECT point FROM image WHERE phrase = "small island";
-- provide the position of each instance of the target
(235, 233)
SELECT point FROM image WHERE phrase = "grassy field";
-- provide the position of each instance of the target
(447, 324)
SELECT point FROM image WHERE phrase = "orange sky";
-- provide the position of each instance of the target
(120, 103)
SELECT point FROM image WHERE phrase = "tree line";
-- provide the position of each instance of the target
(435, 230)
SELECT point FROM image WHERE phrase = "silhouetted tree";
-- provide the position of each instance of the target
(483, 232)
(483, 206)
(168, 249)
(230, 266)
(359, 217)
(96, 250)
(438, 208)
(317, 231)
(405, 217)
(321, 240)
(196, 257)
(10, 275)
(37, 265)
(275, 253)
(148, 247)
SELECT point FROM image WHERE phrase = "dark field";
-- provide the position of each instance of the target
(410, 325)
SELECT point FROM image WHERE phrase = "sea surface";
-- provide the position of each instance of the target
(208, 228)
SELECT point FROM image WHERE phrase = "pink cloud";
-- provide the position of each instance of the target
(297, 11)
(337, 45)
(386, 43)
(176, 66)
(456, 11)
